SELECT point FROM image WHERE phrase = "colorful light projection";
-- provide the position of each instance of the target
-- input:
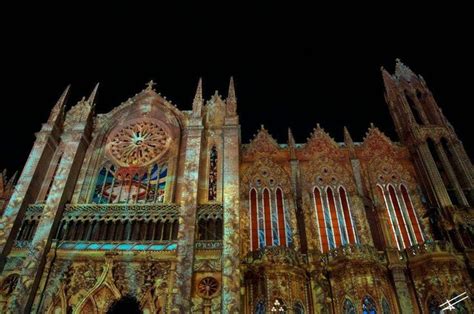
(406, 230)
(270, 221)
(334, 218)
(114, 188)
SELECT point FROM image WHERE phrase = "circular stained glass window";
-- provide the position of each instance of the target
(138, 143)
(208, 287)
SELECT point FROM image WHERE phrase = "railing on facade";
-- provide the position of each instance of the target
(275, 255)
(209, 211)
(430, 247)
(121, 211)
(356, 251)
(117, 245)
(208, 244)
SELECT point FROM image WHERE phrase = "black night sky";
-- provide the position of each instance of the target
(293, 67)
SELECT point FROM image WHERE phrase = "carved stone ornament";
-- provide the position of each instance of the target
(138, 142)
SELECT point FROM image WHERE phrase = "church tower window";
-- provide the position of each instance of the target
(213, 174)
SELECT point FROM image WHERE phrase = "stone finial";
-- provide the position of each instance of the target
(198, 100)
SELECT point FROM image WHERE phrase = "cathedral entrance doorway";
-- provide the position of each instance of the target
(125, 305)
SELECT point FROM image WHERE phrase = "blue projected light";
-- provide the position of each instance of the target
(85, 246)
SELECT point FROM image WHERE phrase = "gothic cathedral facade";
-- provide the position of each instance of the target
(169, 209)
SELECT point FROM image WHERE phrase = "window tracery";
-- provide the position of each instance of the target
(333, 217)
(136, 186)
(269, 217)
(392, 182)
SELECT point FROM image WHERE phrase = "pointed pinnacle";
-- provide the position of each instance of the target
(347, 137)
(93, 94)
(231, 92)
(291, 144)
(62, 100)
(59, 106)
(198, 100)
(291, 139)
(231, 100)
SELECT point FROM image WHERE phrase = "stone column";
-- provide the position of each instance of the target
(397, 267)
(231, 239)
(187, 220)
(451, 175)
(434, 177)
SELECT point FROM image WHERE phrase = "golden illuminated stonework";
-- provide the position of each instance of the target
(138, 143)
(153, 209)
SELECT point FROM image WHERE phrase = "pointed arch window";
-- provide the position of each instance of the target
(269, 218)
(368, 305)
(405, 227)
(260, 308)
(333, 217)
(299, 308)
(348, 307)
(212, 194)
(148, 187)
(385, 307)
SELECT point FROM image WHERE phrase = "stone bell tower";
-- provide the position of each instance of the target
(444, 168)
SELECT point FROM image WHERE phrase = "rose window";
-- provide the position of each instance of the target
(208, 287)
(139, 143)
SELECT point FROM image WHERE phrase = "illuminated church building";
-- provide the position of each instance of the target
(165, 209)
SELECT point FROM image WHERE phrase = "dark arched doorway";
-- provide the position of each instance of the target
(126, 305)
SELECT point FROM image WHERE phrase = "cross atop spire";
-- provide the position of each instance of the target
(149, 85)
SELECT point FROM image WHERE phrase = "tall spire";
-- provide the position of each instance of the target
(59, 106)
(291, 145)
(349, 143)
(198, 100)
(231, 100)
(93, 94)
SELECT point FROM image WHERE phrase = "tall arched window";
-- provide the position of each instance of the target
(147, 187)
(368, 305)
(333, 218)
(298, 308)
(348, 307)
(433, 306)
(385, 307)
(269, 218)
(212, 174)
(260, 307)
(406, 229)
